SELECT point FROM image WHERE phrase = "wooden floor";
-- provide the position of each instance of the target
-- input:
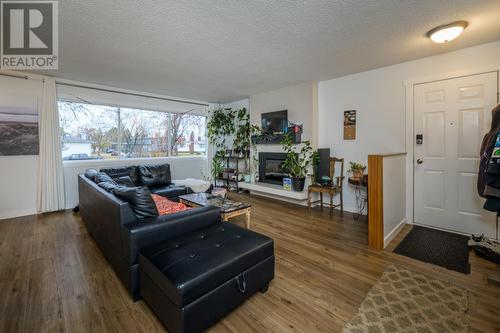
(54, 278)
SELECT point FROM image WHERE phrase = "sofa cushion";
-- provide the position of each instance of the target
(103, 177)
(170, 191)
(125, 181)
(139, 199)
(130, 171)
(194, 264)
(155, 175)
(91, 173)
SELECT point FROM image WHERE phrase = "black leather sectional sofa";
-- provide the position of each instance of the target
(190, 267)
(156, 177)
(118, 231)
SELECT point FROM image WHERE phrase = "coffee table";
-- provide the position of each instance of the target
(229, 208)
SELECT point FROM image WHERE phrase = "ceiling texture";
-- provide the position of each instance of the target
(224, 50)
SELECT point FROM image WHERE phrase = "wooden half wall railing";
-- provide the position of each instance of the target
(376, 199)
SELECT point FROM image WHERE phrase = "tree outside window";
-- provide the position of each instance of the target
(97, 131)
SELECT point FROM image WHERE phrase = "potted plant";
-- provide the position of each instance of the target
(315, 164)
(218, 165)
(220, 125)
(357, 169)
(242, 138)
(297, 161)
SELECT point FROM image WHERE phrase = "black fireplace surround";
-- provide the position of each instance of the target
(271, 168)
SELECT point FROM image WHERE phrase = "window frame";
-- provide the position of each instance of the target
(119, 125)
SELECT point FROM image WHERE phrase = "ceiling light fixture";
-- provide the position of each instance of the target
(447, 32)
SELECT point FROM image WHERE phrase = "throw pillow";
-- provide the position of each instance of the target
(165, 206)
(91, 173)
(103, 177)
(125, 181)
(139, 199)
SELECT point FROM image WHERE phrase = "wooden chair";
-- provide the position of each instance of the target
(332, 190)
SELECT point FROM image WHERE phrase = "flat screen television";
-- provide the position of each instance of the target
(275, 122)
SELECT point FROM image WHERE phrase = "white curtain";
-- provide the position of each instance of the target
(50, 170)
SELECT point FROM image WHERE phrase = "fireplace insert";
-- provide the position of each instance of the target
(271, 168)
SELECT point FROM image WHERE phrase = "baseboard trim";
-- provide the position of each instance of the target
(19, 213)
(394, 232)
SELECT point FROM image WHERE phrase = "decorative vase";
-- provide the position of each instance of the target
(247, 178)
(298, 183)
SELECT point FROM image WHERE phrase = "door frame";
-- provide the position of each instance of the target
(409, 88)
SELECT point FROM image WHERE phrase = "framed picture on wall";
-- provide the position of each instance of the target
(350, 125)
(18, 125)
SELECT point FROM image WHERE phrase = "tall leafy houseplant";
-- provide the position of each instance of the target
(220, 125)
(297, 161)
(243, 134)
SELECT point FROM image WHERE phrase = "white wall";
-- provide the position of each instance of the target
(299, 100)
(181, 168)
(394, 189)
(379, 97)
(18, 174)
(236, 105)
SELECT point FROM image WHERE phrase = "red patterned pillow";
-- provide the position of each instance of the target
(165, 206)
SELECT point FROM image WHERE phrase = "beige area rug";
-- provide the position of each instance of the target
(404, 301)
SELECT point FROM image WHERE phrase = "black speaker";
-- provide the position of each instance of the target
(324, 163)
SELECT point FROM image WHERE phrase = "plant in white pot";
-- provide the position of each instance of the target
(297, 161)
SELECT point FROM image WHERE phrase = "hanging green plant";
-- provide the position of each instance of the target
(220, 125)
(243, 134)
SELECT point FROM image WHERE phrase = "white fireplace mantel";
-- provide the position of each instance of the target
(276, 192)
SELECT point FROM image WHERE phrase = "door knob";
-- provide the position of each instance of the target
(420, 161)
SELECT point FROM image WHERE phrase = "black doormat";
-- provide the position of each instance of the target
(437, 247)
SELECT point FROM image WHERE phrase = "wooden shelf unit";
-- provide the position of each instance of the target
(227, 180)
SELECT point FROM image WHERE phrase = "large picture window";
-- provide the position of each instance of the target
(91, 131)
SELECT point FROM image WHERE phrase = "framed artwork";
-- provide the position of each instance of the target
(18, 124)
(350, 125)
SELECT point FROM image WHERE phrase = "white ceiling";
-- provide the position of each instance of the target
(217, 51)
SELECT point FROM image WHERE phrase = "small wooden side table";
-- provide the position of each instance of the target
(361, 198)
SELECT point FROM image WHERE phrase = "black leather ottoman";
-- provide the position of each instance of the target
(192, 282)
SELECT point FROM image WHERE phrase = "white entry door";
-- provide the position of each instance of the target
(452, 116)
